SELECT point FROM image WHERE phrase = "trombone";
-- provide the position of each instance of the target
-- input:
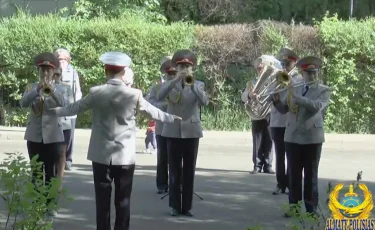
(281, 78)
(292, 86)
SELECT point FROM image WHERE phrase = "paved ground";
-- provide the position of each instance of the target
(233, 199)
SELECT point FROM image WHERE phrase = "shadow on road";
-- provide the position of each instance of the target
(232, 200)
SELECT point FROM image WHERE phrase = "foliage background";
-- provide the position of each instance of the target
(148, 30)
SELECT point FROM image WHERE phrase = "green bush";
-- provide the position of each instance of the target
(225, 60)
(22, 37)
(349, 55)
(25, 199)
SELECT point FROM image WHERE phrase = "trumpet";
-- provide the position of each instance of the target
(189, 80)
(46, 89)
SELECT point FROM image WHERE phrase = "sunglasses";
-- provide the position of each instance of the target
(57, 74)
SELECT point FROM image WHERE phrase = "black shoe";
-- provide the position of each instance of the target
(255, 171)
(162, 191)
(278, 191)
(186, 213)
(174, 212)
(268, 171)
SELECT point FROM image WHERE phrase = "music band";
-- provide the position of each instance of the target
(296, 105)
(286, 110)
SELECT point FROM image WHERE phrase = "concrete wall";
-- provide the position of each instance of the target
(8, 7)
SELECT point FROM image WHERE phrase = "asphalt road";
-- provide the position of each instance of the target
(233, 199)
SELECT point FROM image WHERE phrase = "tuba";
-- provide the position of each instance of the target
(270, 79)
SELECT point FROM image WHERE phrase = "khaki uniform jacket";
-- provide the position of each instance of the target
(183, 102)
(43, 127)
(277, 119)
(162, 105)
(66, 122)
(307, 125)
(113, 136)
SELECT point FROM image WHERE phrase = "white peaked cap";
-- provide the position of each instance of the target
(268, 60)
(116, 59)
(129, 76)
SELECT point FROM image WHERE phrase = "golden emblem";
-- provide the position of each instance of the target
(350, 206)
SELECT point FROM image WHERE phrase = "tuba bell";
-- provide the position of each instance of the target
(271, 78)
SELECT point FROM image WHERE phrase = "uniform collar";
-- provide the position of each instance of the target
(115, 82)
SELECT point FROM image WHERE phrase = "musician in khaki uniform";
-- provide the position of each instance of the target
(169, 72)
(113, 136)
(44, 133)
(261, 131)
(66, 123)
(185, 97)
(69, 76)
(288, 60)
(304, 133)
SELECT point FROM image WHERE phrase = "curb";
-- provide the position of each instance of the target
(214, 135)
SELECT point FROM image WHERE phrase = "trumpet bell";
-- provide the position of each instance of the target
(46, 91)
(189, 80)
(282, 78)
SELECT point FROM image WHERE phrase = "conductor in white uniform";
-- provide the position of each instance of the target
(113, 136)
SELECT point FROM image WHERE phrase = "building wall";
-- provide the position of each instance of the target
(8, 7)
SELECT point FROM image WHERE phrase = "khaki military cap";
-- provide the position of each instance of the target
(287, 54)
(310, 64)
(47, 59)
(184, 56)
(167, 67)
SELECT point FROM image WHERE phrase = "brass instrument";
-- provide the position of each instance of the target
(37, 106)
(189, 80)
(46, 90)
(271, 78)
(292, 86)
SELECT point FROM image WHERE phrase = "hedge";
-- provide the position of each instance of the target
(225, 51)
(22, 37)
